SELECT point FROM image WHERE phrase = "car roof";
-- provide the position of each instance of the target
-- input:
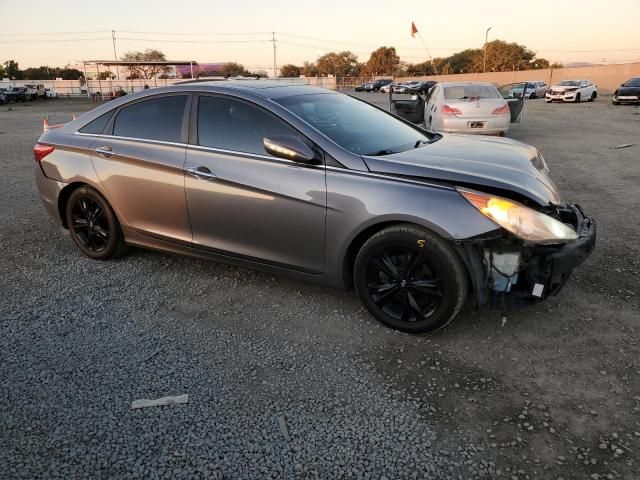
(271, 89)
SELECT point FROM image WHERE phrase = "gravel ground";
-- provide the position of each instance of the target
(291, 380)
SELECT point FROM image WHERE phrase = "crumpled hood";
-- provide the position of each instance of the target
(563, 88)
(478, 161)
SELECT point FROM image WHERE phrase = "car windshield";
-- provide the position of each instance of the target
(464, 92)
(355, 125)
(569, 83)
(634, 82)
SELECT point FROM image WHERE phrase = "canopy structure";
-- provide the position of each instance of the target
(120, 63)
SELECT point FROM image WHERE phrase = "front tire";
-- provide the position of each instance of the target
(93, 226)
(410, 279)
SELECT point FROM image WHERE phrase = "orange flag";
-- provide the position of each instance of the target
(414, 29)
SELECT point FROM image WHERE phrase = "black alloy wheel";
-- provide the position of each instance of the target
(93, 226)
(410, 279)
(403, 284)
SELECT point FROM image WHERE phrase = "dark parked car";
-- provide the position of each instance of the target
(378, 84)
(17, 94)
(421, 87)
(628, 92)
(3, 96)
(317, 185)
(363, 87)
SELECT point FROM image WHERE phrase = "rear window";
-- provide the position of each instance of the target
(158, 118)
(465, 92)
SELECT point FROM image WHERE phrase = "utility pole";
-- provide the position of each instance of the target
(273, 39)
(115, 55)
(486, 38)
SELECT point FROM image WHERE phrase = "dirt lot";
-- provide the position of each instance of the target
(294, 380)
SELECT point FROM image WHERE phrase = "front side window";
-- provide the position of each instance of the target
(158, 118)
(232, 125)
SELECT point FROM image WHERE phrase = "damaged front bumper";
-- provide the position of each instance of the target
(514, 272)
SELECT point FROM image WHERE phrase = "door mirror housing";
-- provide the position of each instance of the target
(289, 147)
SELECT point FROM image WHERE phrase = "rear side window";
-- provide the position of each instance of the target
(154, 119)
(236, 126)
(98, 125)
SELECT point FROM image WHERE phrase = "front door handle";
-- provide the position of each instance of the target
(202, 172)
(105, 151)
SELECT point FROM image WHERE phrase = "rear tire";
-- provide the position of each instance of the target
(577, 100)
(93, 226)
(533, 96)
(594, 95)
(410, 279)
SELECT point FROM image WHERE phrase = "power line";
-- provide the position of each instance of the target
(164, 40)
(51, 33)
(196, 33)
(49, 40)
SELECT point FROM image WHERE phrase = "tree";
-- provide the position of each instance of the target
(146, 71)
(233, 69)
(12, 70)
(383, 61)
(260, 73)
(556, 65)
(106, 75)
(539, 64)
(503, 56)
(290, 70)
(309, 69)
(463, 61)
(340, 64)
(3, 73)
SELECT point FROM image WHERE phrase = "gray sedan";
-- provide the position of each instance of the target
(317, 185)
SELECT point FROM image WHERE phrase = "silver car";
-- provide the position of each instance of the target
(317, 185)
(470, 107)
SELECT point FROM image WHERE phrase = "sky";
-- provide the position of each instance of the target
(218, 31)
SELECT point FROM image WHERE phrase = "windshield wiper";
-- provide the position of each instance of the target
(380, 153)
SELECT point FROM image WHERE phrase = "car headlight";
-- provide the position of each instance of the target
(524, 222)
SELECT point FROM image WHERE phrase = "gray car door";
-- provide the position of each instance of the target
(139, 159)
(243, 201)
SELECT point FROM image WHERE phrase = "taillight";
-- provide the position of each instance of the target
(447, 110)
(502, 109)
(40, 151)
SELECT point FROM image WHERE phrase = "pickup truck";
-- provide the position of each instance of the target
(35, 91)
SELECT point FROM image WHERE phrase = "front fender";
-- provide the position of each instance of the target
(358, 202)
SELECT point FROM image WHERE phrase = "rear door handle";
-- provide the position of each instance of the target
(105, 151)
(202, 173)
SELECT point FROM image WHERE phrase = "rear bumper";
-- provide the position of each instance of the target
(49, 193)
(492, 126)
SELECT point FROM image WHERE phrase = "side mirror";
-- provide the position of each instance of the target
(289, 147)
